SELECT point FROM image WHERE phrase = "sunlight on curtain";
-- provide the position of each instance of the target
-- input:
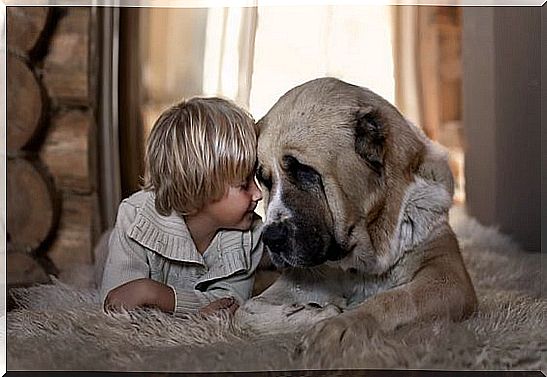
(297, 43)
(221, 60)
(190, 52)
(407, 92)
(227, 63)
(222, 50)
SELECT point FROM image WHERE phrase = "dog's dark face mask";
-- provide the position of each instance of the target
(298, 230)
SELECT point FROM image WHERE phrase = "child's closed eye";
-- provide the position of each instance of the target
(244, 185)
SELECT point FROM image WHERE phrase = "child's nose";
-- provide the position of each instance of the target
(257, 192)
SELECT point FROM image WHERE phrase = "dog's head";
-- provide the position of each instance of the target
(336, 163)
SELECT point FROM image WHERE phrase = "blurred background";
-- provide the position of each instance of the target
(85, 84)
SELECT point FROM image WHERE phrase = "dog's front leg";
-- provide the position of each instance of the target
(262, 318)
(441, 289)
(295, 302)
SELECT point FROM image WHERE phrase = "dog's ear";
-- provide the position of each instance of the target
(435, 168)
(370, 139)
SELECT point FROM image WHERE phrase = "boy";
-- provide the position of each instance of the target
(190, 240)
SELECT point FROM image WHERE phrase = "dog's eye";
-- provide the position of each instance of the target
(303, 175)
(264, 179)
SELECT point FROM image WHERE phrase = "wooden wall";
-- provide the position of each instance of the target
(51, 129)
(502, 116)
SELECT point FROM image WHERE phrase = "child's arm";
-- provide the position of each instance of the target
(228, 304)
(126, 274)
(141, 292)
(238, 286)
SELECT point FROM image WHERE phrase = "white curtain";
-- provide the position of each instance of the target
(229, 53)
(295, 44)
(407, 98)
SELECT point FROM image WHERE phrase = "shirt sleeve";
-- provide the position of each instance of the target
(239, 285)
(126, 259)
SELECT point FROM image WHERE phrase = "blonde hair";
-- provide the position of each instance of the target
(196, 149)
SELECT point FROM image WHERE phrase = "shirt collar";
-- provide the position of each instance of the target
(170, 237)
(166, 235)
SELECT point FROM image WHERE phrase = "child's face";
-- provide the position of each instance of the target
(235, 210)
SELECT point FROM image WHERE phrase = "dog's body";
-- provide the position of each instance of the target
(357, 206)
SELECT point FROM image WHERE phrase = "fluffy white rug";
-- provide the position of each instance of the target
(60, 326)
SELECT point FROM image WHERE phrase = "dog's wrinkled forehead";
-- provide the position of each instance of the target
(286, 134)
(319, 109)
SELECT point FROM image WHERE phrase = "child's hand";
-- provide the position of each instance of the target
(141, 292)
(226, 303)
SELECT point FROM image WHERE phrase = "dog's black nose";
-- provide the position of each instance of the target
(276, 235)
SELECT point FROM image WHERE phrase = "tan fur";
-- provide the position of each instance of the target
(405, 264)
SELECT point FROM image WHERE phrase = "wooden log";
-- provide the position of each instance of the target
(24, 104)
(65, 73)
(72, 245)
(24, 26)
(66, 150)
(31, 209)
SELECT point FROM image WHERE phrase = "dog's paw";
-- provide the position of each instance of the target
(336, 336)
(312, 311)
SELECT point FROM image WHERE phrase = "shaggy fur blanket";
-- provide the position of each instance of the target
(61, 326)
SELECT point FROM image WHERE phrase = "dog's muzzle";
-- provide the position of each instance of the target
(290, 246)
(276, 236)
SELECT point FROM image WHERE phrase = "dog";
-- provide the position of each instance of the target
(356, 202)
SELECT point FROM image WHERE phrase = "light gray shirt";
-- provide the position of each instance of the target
(145, 244)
